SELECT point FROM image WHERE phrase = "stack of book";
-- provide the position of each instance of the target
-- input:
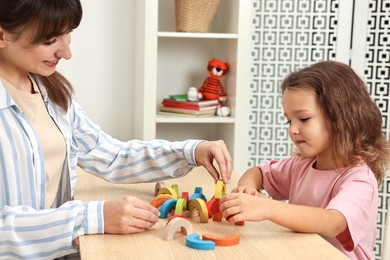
(180, 105)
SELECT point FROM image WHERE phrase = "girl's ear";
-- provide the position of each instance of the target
(2, 37)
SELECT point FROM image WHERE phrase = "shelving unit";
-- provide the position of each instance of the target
(169, 62)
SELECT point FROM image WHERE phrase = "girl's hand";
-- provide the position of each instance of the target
(246, 189)
(244, 207)
(128, 215)
(208, 151)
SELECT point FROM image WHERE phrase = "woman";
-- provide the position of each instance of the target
(45, 135)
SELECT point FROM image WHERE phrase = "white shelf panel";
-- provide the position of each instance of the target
(198, 35)
(163, 118)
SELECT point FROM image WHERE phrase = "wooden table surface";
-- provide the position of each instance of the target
(258, 240)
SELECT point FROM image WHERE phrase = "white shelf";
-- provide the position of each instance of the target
(198, 35)
(182, 119)
(169, 62)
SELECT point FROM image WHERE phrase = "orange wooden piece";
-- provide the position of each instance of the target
(222, 241)
(159, 200)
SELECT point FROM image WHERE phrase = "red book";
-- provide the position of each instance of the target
(189, 111)
(189, 104)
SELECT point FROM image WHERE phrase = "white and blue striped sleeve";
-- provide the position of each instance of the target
(133, 161)
(27, 233)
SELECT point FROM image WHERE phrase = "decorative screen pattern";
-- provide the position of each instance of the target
(291, 34)
(287, 35)
(377, 77)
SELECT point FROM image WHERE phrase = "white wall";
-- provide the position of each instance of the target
(102, 67)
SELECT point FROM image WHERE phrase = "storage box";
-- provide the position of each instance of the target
(194, 15)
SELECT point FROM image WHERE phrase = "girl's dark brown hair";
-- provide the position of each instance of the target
(354, 119)
(43, 20)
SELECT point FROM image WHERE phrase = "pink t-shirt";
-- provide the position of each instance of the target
(353, 192)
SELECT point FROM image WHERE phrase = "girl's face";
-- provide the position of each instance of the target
(19, 58)
(308, 129)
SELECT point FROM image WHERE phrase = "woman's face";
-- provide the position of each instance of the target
(18, 56)
(308, 128)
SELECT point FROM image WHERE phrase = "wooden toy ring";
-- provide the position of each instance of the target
(175, 223)
(220, 189)
(181, 206)
(198, 190)
(217, 217)
(239, 223)
(168, 190)
(175, 216)
(166, 207)
(185, 196)
(194, 241)
(158, 186)
(222, 241)
(200, 205)
(213, 205)
(198, 196)
(159, 200)
(175, 187)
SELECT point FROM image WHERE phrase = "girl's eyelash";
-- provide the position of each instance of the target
(302, 119)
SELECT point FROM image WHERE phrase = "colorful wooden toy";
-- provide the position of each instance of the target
(166, 207)
(213, 205)
(222, 241)
(159, 200)
(217, 217)
(181, 206)
(175, 223)
(175, 216)
(194, 241)
(168, 190)
(198, 196)
(175, 187)
(239, 223)
(198, 190)
(185, 196)
(158, 186)
(199, 205)
(220, 189)
(196, 205)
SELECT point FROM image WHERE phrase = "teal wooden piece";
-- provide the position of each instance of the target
(194, 241)
(166, 207)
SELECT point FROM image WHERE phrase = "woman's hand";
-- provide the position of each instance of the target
(208, 151)
(128, 215)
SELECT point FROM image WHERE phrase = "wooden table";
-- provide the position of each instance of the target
(258, 240)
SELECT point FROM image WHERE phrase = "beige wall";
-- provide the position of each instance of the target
(101, 69)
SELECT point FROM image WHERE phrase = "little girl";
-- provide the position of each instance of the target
(331, 181)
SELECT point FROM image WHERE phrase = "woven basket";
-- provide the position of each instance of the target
(194, 15)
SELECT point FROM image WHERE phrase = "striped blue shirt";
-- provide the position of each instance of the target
(27, 229)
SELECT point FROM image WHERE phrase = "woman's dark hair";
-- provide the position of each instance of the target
(354, 119)
(43, 20)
